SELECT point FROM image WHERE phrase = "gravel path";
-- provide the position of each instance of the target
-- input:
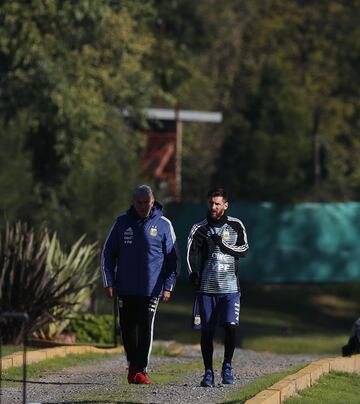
(67, 385)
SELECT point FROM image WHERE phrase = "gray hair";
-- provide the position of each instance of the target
(142, 190)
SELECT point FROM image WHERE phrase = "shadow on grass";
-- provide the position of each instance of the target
(96, 401)
(4, 379)
(269, 310)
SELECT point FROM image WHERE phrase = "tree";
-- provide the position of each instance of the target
(70, 67)
(265, 154)
(16, 179)
(292, 103)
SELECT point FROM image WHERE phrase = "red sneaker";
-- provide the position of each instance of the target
(141, 378)
(131, 375)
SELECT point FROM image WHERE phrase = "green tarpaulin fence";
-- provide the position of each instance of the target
(309, 242)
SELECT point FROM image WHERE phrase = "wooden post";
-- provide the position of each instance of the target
(178, 156)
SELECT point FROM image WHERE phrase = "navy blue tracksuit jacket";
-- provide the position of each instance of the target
(140, 256)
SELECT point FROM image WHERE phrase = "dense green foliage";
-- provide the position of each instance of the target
(66, 70)
(284, 74)
(95, 329)
(293, 132)
(38, 278)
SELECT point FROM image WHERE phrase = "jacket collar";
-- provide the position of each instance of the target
(157, 210)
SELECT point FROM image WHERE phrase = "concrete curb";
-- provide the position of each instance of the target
(16, 359)
(275, 394)
(306, 377)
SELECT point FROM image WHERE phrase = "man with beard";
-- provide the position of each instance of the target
(214, 247)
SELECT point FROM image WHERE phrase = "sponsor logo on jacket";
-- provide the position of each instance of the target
(128, 236)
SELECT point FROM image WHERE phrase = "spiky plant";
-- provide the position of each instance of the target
(79, 263)
(27, 283)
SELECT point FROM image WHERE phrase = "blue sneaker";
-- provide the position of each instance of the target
(226, 374)
(208, 379)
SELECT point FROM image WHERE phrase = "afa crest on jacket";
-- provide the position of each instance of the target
(140, 256)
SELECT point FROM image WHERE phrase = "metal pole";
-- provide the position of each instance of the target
(25, 342)
(0, 356)
(317, 169)
(316, 148)
(25, 317)
(178, 157)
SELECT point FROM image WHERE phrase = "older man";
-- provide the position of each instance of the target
(139, 263)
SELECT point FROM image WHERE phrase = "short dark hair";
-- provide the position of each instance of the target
(218, 192)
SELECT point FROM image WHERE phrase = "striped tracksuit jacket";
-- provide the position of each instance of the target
(213, 252)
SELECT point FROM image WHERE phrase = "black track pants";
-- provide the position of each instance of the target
(207, 346)
(137, 315)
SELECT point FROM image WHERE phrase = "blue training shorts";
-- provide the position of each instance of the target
(215, 309)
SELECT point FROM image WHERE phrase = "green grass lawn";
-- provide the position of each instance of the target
(333, 388)
(303, 318)
(250, 390)
(12, 376)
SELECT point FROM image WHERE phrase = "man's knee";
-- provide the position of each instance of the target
(230, 326)
(207, 332)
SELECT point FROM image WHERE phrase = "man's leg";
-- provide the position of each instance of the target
(128, 328)
(207, 350)
(229, 342)
(229, 348)
(207, 311)
(229, 311)
(147, 311)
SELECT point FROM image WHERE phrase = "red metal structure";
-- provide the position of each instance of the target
(162, 157)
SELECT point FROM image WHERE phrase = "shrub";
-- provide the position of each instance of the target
(29, 284)
(91, 328)
(79, 263)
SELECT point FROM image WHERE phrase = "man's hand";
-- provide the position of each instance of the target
(166, 295)
(217, 239)
(110, 292)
